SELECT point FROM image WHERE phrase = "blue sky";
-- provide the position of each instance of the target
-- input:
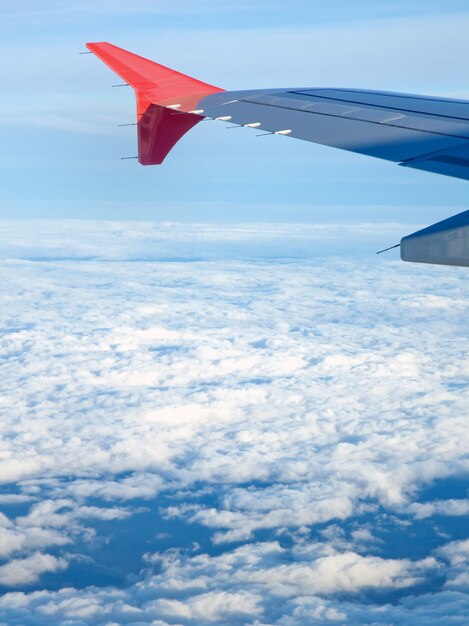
(61, 147)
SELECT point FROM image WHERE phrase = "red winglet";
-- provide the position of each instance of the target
(157, 89)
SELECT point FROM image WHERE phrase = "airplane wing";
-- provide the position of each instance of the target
(414, 131)
(420, 132)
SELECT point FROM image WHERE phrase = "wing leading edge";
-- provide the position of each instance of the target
(420, 132)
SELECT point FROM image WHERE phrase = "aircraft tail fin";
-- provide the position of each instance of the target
(166, 99)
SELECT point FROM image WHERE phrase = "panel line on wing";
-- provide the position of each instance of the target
(379, 106)
(409, 128)
(392, 94)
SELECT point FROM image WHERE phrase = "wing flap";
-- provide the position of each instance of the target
(452, 162)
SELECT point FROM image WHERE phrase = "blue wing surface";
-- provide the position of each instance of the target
(421, 132)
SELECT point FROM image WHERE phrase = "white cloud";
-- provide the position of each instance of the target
(244, 584)
(457, 554)
(260, 384)
(211, 607)
(440, 507)
(27, 571)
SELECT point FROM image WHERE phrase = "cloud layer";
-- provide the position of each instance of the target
(265, 406)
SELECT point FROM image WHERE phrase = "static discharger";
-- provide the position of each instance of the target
(287, 131)
(398, 245)
(131, 124)
(122, 85)
(128, 158)
(252, 125)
